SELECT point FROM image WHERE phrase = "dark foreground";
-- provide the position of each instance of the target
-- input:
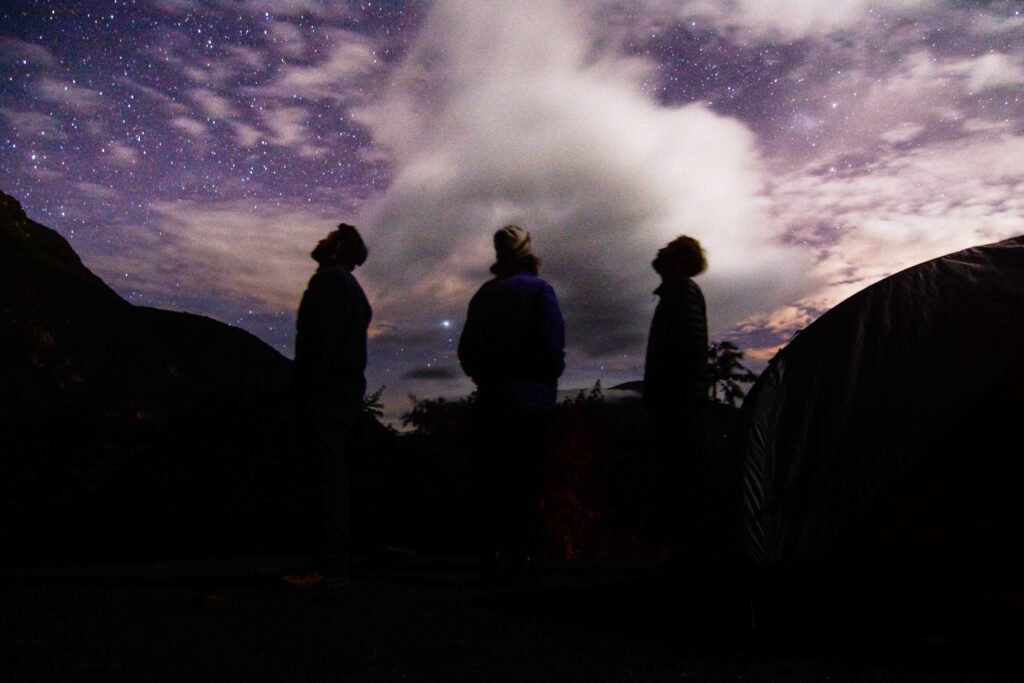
(431, 620)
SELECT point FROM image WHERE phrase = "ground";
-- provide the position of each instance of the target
(431, 620)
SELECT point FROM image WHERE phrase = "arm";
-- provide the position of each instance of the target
(469, 341)
(552, 328)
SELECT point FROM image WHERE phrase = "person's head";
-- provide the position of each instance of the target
(682, 257)
(342, 246)
(513, 252)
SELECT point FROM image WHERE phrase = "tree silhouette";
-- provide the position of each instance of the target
(727, 373)
(439, 416)
(373, 404)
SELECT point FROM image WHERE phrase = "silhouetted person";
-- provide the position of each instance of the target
(330, 361)
(513, 347)
(676, 386)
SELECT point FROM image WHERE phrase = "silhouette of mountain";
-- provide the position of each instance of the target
(132, 431)
(70, 338)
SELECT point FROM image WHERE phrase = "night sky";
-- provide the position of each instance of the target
(194, 152)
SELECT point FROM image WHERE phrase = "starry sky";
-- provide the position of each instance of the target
(194, 152)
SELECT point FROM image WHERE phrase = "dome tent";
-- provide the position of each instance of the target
(886, 437)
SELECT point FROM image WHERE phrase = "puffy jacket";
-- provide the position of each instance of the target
(676, 371)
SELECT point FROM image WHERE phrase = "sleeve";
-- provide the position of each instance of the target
(552, 332)
(690, 329)
(324, 312)
(469, 341)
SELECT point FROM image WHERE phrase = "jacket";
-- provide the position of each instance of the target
(513, 342)
(330, 340)
(676, 371)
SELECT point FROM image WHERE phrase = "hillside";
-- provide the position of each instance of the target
(127, 430)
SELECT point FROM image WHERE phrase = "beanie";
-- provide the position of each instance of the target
(511, 242)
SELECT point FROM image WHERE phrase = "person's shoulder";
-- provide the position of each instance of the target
(528, 281)
(678, 289)
(335, 273)
(692, 288)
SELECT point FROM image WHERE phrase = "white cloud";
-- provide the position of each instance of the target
(191, 127)
(350, 62)
(210, 73)
(248, 57)
(505, 113)
(287, 128)
(164, 100)
(14, 51)
(289, 8)
(246, 136)
(228, 254)
(898, 100)
(994, 70)
(985, 23)
(755, 20)
(902, 133)
(212, 104)
(95, 191)
(913, 206)
(287, 39)
(34, 124)
(69, 94)
(122, 154)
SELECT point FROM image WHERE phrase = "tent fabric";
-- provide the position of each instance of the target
(886, 435)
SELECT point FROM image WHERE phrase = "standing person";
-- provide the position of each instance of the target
(513, 348)
(330, 361)
(676, 386)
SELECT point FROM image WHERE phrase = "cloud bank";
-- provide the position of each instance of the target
(498, 115)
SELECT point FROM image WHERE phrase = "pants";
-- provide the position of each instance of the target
(683, 467)
(511, 445)
(331, 423)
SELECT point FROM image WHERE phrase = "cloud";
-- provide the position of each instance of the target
(903, 98)
(246, 136)
(230, 254)
(121, 154)
(69, 94)
(991, 71)
(210, 73)
(506, 113)
(287, 39)
(324, 9)
(165, 101)
(34, 124)
(248, 57)
(910, 207)
(761, 20)
(14, 51)
(191, 127)
(95, 191)
(212, 104)
(351, 61)
(287, 128)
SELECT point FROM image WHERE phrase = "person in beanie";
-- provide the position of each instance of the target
(513, 348)
(676, 388)
(330, 361)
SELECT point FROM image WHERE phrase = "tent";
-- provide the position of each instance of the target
(886, 436)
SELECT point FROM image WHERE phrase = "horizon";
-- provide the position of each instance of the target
(193, 154)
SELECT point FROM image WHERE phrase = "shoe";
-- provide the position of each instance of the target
(306, 580)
